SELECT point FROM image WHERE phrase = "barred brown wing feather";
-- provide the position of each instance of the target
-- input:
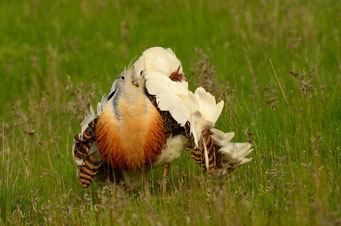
(88, 171)
(90, 132)
(91, 161)
(78, 151)
(84, 141)
(213, 156)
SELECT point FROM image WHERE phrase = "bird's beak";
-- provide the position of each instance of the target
(137, 78)
(135, 83)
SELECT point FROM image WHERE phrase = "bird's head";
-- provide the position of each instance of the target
(128, 80)
(137, 78)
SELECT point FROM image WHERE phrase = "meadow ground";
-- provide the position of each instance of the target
(58, 57)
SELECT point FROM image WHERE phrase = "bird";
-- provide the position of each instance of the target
(148, 119)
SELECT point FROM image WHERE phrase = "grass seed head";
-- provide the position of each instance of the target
(305, 81)
(271, 96)
(204, 73)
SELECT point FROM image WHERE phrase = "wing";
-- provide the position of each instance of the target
(85, 150)
(86, 154)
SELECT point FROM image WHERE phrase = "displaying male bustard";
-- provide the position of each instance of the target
(149, 117)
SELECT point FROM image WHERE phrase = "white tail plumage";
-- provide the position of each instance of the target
(233, 153)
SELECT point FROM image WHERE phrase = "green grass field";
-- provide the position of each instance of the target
(58, 57)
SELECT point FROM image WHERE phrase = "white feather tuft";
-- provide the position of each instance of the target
(233, 153)
(204, 112)
(208, 106)
(158, 59)
(206, 155)
(171, 151)
(100, 106)
(220, 138)
(196, 127)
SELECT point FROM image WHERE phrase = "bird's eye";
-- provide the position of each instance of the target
(141, 72)
(122, 78)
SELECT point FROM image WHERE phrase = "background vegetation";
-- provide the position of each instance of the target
(58, 57)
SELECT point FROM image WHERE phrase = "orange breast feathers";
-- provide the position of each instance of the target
(131, 137)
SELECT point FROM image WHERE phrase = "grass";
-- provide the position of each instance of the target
(57, 57)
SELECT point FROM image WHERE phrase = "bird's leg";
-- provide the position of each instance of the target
(146, 183)
(165, 177)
